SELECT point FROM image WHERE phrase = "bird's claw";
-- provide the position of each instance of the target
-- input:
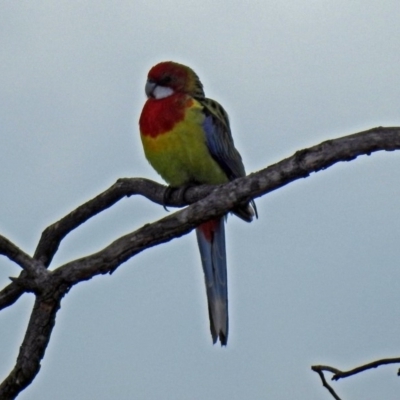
(181, 194)
(167, 196)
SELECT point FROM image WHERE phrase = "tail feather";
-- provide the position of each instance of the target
(211, 241)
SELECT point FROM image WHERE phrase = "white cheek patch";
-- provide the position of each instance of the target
(160, 92)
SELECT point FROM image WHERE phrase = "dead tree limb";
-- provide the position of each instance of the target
(338, 374)
(207, 202)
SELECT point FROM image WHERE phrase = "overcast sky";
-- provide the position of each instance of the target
(314, 281)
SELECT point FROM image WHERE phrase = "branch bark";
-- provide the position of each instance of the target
(10, 250)
(207, 202)
(338, 374)
(319, 369)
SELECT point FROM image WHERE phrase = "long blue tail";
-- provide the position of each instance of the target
(211, 240)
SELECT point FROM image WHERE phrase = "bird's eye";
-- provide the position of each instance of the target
(165, 80)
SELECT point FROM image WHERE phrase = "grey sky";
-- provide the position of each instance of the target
(314, 280)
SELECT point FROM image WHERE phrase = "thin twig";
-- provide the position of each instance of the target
(319, 370)
(338, 374)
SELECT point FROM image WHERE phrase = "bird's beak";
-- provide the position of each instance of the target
(149, 88)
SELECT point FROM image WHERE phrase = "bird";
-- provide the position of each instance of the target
(187, 139)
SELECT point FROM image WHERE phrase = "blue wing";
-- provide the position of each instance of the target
(220, 141)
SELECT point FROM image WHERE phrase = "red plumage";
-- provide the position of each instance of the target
(208, 228)
(161, 115)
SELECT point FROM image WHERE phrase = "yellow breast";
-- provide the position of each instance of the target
(181, 155)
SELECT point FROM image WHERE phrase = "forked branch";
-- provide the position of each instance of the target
(338, 374)
(209, 202)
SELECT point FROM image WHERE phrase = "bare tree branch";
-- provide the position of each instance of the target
(53, 235)
(35, 342)
(338, 374)
(51, 286)
(14, 253)
(34, 272)
(319, 369)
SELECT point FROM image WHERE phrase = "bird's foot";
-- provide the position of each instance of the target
(167, 196)
(181, 194)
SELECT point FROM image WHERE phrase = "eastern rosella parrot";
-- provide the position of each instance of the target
(187, 139)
